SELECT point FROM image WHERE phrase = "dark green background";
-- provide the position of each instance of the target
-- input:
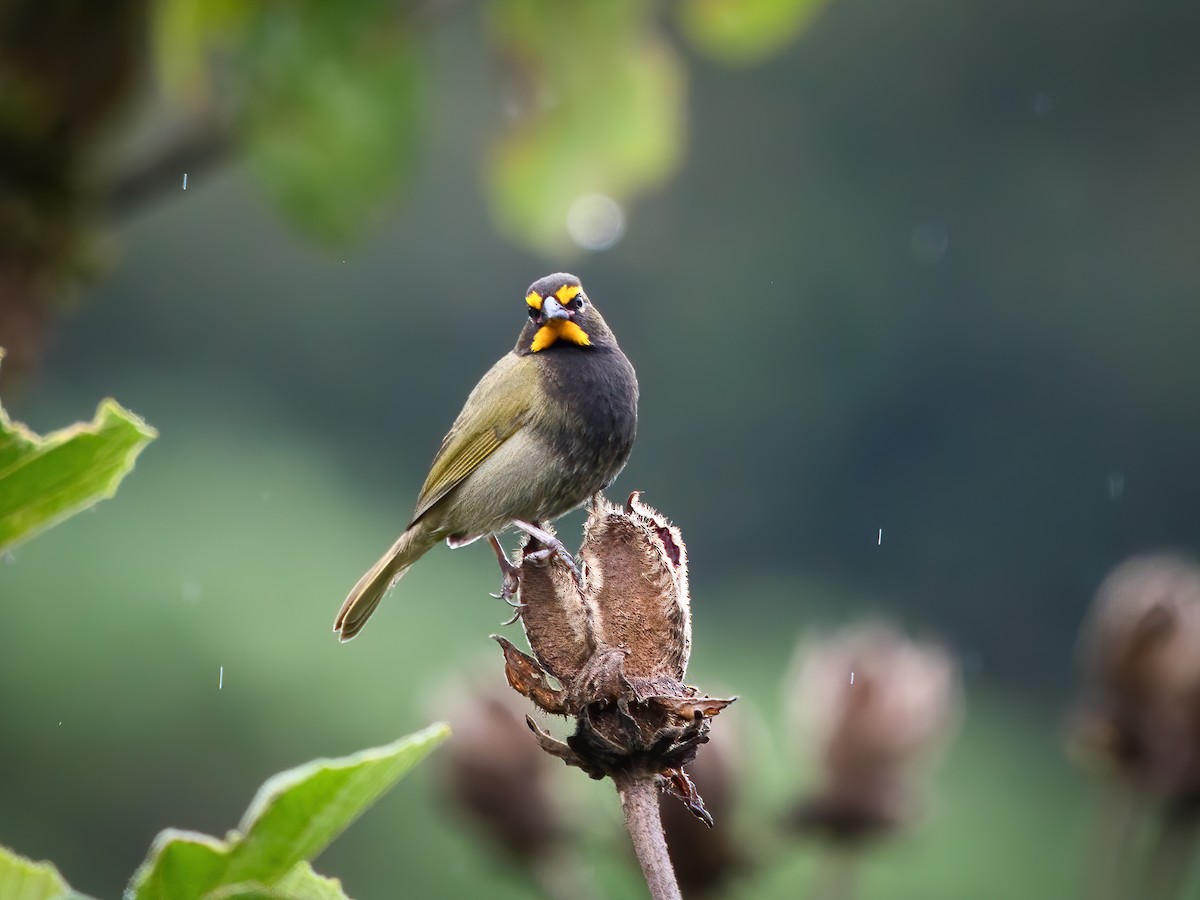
(933, 270)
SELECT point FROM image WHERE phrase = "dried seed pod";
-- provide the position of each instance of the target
(557, 618)
(636, 578)
(1141, 655)
(498, 778)
(618, 643)
(875, 708)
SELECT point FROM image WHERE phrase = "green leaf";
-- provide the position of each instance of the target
(24, 879)
(181, 865)
(301, 883)
(329, 113)
(602, 115)
(43, 480)
(186, 32)
(294, 816)
(745, 31)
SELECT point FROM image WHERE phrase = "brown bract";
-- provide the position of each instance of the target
(617, 643)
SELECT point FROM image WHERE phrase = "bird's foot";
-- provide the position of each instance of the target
(552, 547)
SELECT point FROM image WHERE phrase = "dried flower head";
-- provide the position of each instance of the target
(1141, 656)
(617, 642)
(875, 709)
(495, 775)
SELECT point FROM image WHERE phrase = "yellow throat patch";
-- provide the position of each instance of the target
(557, 329)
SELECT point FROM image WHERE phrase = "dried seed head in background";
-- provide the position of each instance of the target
(618, 644)
(706, 859)
(495, 774)
(875, 709)
(1141, 657)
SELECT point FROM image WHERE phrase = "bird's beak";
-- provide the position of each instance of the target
(552, 309)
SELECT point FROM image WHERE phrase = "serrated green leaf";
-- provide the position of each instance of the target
(297, 813)
(293, 817)
(606, 115)
(329, 115)
(301, 883)
(24, 879)
(745, 31)
(43, 480)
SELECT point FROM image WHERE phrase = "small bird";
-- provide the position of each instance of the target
(548, 426)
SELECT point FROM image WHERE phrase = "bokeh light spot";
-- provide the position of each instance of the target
(595, 221)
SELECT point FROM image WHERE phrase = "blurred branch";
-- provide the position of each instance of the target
(1113, 844)
(197, 147)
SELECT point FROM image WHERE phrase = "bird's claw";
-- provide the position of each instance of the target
(517, 607)
(510, 587)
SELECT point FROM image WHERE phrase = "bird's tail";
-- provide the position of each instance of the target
(370, 589)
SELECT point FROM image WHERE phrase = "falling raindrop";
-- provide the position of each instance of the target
(1116, 485)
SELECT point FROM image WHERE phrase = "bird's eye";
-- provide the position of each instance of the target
(577, 303)
(534, 313)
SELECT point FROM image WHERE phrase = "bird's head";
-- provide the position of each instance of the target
(560, 313)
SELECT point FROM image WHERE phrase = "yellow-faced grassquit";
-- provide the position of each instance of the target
(547, 427)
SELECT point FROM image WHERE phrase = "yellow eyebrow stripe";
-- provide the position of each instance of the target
(567, 293)
(534, 299)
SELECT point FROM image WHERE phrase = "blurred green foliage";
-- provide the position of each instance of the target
(745, 31)
(329, 105)
(596, 97)
(43, 480)
(328, 100)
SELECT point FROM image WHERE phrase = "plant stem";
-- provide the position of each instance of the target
(1113, 845)
(639, 802)
(1170, 857)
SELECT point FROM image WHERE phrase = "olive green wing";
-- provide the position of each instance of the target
(499, 406)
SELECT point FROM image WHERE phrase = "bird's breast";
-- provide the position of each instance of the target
(590, 419)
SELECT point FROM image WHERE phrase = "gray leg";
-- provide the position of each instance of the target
(511, 583)
(553, 546)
